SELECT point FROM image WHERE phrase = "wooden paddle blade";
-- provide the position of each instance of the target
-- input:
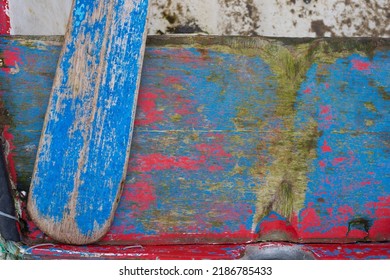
(85, 143)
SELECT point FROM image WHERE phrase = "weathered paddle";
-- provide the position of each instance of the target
(82, 156)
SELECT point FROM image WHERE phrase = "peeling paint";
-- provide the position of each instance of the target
(319, 18)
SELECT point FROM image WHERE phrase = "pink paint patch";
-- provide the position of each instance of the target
(214, 150)
(365, 183)
(147, 112)
(346, 210)
(327, 85)
(276, 225)
(382, 207)
(11, 59)
(307, 90)
(325, 148)
(193, 121)
(325, 110)
(142, 194)
(357, 234)
(5, 26)
(215, 168)
(157, 162)
(185, 56)
(338, 160)
(171, 80)
(360, 65)
(184, 110)
(380, 230)
(158, 52)
(328, 118)
(310, 218)
(322, 163)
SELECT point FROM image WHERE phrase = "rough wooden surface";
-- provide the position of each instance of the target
(261, 251)
(82, 156)
(236, 139)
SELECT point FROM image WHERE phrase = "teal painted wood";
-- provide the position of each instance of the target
(82, 157)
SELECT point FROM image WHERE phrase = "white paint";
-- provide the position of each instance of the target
(39, 17)
(226, 17)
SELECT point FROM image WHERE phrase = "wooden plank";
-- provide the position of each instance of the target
(224, 139)
(82, 157)
(5, 25)
(264, 250)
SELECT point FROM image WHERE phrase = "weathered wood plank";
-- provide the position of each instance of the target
(85, 143)
(260, 251)
(239, 139)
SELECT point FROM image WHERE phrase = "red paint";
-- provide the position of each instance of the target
(143, 194)
(157, 162)
(197, 237)
(171, 252)
(147, 113)
(5, 26)
(215, 168)
(325, 110)
(184, 110)
(365, 183)
(309, 218)
(338, 160)
(188, 57)
(11, 59)
(157, 52)
(326, 148)
(360, 65)
(322, 163)
(171, 80)
(346, 210)
(307, 90)
(214, 150)
(206, 252)
(349, 251)
(357, 234)
(327, 85)
(276, 225)
(328, 118)
(380, 230)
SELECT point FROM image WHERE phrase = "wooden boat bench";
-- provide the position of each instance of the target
(239, 143)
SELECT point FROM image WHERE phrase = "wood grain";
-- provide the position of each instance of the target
(236, 139)
(85, 143)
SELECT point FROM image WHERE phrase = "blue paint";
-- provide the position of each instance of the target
(338, 183)
(356, 170)
(220, 100)
(111, 128)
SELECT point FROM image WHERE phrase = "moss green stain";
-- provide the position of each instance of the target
(385, 94)
(176, 118)
(290, 151)
(214, 77)
(370, 106)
